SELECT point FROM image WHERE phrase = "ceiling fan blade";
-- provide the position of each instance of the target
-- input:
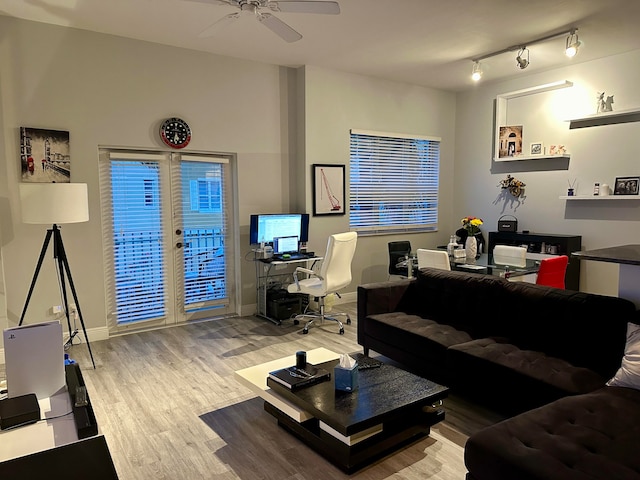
(278, 27)
(219, 25)
(214, 2)
(296, 6)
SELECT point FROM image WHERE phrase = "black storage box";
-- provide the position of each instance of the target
(20, 410)
(507, 225)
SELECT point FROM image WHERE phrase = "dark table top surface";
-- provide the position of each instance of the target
(627, 254)
(382, 393)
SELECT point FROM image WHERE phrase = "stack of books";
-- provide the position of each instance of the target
(295, 378)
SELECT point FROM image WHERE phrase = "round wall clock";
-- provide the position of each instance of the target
(175, 132)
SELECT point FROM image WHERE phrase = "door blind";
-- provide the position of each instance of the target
(203, 211)
(135, 245)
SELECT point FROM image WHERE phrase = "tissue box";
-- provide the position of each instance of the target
(346, 379)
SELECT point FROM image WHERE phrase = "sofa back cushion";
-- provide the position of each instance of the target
(588, 330)
(466, 301)
(585, 329)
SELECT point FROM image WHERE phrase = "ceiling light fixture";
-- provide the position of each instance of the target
(572, 44)
(520, 60)
(476, 73)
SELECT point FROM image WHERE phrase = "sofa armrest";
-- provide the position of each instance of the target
(381, 297)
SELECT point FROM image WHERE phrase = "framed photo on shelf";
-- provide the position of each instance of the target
(626, 186)
(510, 141)
(328, 189)
(536, 148)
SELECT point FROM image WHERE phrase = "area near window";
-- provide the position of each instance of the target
(393, 182)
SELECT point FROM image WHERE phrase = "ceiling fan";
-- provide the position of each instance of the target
(270, 21)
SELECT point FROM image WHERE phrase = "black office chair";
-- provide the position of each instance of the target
(397, 252)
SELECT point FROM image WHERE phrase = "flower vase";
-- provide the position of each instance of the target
(471, 247)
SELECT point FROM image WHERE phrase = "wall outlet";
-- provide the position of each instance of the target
(56, 309)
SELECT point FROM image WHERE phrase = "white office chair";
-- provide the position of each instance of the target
(335, 273)
(433, 259)
(508, 255)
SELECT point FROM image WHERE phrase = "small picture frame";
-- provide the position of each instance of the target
(328, 189)
(626, 186)
(536, 148)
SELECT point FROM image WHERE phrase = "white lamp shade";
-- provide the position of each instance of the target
(51, 203)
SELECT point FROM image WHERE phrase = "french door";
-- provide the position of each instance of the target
(168, 236)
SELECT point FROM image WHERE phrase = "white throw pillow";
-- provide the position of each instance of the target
(628, 375)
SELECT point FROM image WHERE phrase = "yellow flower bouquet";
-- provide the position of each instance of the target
(472, 225)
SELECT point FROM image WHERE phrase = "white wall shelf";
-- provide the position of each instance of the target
(501, 118)
(532, 157)
(606, 118)
(603, 197)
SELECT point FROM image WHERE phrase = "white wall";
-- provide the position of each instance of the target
(336, 102)
(109, 91)
(598, 154)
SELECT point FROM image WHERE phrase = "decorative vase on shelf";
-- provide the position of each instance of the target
(471, 247)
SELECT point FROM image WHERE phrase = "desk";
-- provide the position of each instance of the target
(267, 278)
(628, 257)
(485, 264)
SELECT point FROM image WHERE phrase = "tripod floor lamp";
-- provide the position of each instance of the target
(54, 204)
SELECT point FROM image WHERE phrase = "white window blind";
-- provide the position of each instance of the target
(204, 220)
(393, 182)
(135, 242)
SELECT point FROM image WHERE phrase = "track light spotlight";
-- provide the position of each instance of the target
(572, 44)
(520, 60)
(476, 73)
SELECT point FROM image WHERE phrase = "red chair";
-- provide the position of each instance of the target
(552, 271)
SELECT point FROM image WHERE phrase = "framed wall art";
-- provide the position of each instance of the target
(44, 155)
(626, 186)
(328, 189)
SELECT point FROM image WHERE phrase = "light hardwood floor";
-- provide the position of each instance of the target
(170, 408)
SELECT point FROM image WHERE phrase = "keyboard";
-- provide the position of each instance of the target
(292, 256)
(365, 362)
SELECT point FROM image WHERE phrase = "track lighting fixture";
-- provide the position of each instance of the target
(476, 73)
(572, 44)
(521, 61)
(522, 58)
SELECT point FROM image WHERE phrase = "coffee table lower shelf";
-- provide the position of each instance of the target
(390, 437)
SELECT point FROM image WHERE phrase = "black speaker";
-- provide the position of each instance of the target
(507, 225)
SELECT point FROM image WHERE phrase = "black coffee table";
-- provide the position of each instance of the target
(390, 408)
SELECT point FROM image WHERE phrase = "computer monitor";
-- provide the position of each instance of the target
(285, 245)
(263, 228)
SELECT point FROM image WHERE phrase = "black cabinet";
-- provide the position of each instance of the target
(552, 242)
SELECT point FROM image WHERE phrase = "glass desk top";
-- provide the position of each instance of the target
(482, 264)
(485, 264)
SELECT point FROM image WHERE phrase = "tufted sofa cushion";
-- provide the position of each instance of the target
(426, 339)
(489, 363)
(584, 437)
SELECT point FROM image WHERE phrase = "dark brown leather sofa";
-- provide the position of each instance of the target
(538, 354)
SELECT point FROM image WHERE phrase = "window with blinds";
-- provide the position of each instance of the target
(393, 182)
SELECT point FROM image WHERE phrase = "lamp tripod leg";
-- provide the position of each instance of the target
(45, 245)
(62, 258)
